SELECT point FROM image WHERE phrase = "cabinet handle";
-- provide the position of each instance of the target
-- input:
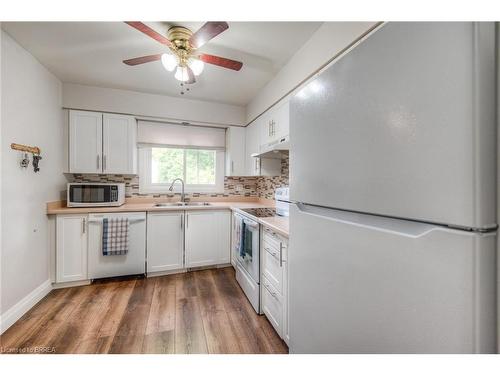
(281, 254)
(232, 166)
(271, 293)
(182, 222)
(271, 252)
(84, 224)
(98, 162)
(104, 162)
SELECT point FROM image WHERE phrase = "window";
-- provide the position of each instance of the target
(201, 170)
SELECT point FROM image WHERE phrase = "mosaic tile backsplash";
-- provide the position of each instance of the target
(263, 187)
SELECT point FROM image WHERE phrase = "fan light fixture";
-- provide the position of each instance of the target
(196, 66)
(169, 61)
(182, 56)
(181, 74)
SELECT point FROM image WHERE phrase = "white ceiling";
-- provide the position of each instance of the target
(91, 53)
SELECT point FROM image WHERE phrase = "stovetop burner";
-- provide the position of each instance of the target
(260, 212)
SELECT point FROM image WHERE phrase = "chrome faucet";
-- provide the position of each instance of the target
(182, 191)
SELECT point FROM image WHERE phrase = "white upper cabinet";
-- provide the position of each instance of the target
(258, 166)
(252, 141)
(281, 121)
(119, 149)
(275, 123)
(85, 142)
(102, 143)
(235, 151)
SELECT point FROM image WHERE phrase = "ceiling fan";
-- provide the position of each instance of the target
(182, 56)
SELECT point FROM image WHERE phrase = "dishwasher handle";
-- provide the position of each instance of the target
(131, 220)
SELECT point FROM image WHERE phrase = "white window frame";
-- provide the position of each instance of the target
(147, 187)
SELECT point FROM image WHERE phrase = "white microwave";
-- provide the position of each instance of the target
(89, 194)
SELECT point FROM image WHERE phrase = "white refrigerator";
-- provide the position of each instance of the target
(393, 171)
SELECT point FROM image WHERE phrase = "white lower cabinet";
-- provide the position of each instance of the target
(71, 248)
(274, 285)
(272, 306)
(207, 237)
(175, 240)
(165, 239)
(234, 240)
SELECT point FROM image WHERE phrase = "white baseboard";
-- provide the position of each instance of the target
(70, 284)
(165, 273)
(13, 314)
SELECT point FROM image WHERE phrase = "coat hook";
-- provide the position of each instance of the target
(36, 160)
(25, 161)
(32, 149)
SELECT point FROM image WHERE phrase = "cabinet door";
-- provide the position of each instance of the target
(286, 314)
(85, 142)
(224, 232)
(266, 128)
(272, 306)
(275, 123)
(252, 146)
(235, 151)
(281, 124)
(119, 151)
(165, 244)
(71, 248)
(207, 238)
(234, 239)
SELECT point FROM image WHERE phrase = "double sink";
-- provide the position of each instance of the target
(182, 204)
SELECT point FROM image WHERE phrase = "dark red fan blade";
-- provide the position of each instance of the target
(143, 59)
(221, 61)
(208, 31)
(191, 79)
(149, 32)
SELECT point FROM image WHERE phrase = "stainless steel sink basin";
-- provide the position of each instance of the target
(181, 204)
(169, 204)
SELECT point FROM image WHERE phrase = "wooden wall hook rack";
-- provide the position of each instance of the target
(31, 149)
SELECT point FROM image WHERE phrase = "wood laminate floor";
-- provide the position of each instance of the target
(197, 312)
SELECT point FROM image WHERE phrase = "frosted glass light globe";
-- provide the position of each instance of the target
(196, 66)
(181, 74)
(169, 61)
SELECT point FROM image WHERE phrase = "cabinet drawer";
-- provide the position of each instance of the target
(272, 306)
(271, 238)
(272, 265)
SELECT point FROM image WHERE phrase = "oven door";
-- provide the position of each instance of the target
(249, 257)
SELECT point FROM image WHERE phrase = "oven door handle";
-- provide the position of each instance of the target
(251, 224)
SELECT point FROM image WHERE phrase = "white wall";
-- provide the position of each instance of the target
(330, 39)
(150, 105)
(30, 114)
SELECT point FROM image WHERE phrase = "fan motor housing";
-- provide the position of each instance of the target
(179, 36)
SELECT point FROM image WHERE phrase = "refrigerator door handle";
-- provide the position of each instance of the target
(402, 227)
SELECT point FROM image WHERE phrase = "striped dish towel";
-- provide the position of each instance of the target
(115, 236)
